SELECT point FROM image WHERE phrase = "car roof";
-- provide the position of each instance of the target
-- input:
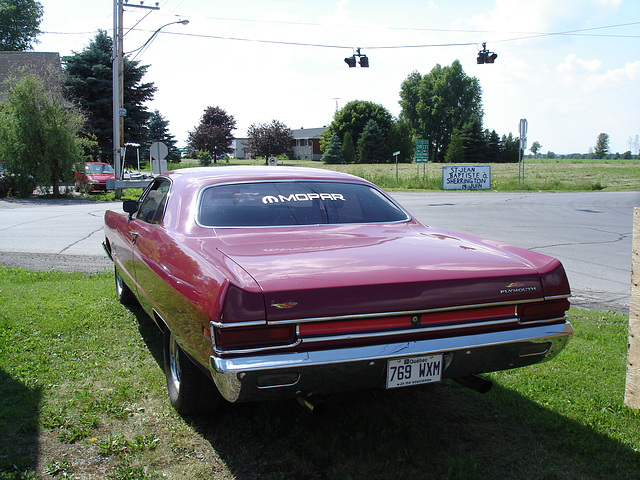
(231, 174)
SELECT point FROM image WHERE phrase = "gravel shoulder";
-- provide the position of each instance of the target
(56, 261)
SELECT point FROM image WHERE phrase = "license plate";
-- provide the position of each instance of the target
(402, 372)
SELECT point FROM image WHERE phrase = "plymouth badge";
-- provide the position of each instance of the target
(283, 306)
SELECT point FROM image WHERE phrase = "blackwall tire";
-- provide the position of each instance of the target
(190, 391)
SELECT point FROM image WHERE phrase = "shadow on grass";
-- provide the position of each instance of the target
(19, 418)
(437, 431)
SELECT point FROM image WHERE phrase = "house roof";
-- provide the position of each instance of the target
(44, 64)
(307, 132)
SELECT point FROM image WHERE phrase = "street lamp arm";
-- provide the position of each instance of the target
(155, 34)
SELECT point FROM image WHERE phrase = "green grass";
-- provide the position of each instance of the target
(82, 395)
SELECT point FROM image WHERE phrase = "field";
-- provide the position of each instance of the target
(82, 395)
(539, 175)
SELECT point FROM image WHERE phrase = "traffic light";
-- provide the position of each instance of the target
(351, 61)
(485, 56)
(363, 60)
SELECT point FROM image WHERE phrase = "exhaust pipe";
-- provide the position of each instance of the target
(480, 385)
(312, 403)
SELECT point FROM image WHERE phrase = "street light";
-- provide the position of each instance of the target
(155, 34)
(118, 82)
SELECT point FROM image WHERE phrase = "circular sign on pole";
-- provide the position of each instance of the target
(273, 161)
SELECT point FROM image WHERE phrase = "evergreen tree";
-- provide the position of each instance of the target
(90, 83)
(371, 145)
(473, 141)
(348, 148)
(455, 150)
(333, 152)
(159, 132)
(492, 146)
(510, 149)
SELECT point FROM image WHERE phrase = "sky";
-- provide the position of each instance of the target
(570, 67)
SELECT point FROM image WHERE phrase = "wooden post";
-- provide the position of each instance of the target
(632, 393)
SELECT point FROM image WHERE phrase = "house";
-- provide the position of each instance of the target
(306, 143)
(46, 65)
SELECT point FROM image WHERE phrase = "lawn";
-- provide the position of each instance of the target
(82, 395)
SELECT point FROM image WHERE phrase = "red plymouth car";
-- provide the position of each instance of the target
(292, 282)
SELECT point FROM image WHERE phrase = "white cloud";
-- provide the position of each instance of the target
(626, 76)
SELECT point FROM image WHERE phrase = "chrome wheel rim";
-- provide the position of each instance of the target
(174, 363)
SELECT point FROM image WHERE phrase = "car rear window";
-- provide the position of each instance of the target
(263, 204)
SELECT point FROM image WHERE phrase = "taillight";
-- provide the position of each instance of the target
(543, 311)
(253, 337)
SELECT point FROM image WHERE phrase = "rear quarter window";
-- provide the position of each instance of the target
(263, 204)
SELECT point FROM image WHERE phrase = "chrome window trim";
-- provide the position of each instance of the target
(407, 219)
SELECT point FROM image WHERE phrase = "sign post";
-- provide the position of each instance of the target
(395, 154)
(422, 155)
(522, 129)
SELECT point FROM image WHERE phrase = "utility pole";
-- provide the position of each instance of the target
(118, 87)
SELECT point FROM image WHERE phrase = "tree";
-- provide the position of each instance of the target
(90, 83)
(535, 148)
(19, 24)
(348, 148)
(333, 152)
(213, 133)
(372, 147)
(510, 149)
(455, 149)
(268, 139)
(353, 117)
(473, 141)
(39, 136)
(438, 102)
(492, 146)
(401, 140)
(158, 129)
(602, 145)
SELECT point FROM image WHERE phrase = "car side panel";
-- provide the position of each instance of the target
(180, 288)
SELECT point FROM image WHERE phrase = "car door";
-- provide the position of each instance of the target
(147, 233)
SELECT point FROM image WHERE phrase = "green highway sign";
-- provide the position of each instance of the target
(422, 151)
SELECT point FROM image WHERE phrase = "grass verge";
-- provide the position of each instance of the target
(82, 395)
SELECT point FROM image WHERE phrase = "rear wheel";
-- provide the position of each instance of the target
(190, 391)
(123, 292)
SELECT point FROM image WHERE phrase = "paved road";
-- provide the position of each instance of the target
(591, 233)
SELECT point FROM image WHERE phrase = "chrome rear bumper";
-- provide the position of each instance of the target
(261, 377)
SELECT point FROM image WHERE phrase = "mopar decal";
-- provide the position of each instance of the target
(302, 197)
